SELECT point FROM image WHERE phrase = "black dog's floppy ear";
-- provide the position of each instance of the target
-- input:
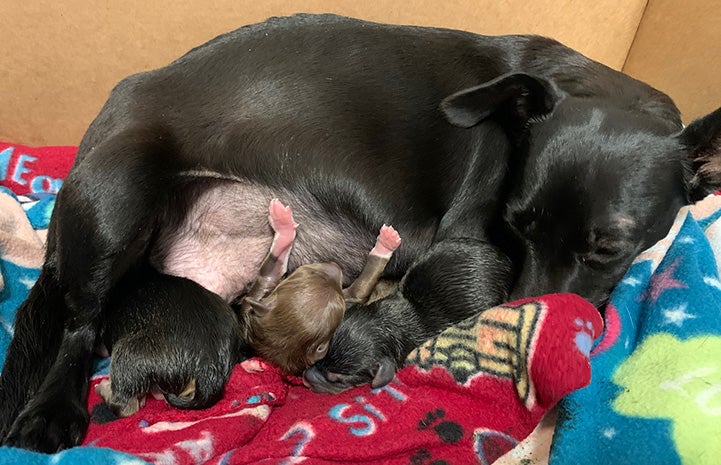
(702, 139)
(521, 96)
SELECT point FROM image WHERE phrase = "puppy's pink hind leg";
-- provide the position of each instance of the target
(275, 263)
(360, 290)
(387, 242)
(281, 220)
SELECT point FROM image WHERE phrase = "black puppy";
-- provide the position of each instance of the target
(169, 334)
(341, 119)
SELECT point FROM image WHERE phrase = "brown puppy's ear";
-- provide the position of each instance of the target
(518, 96)
(702, 139)
(258, 308)
(384, 375)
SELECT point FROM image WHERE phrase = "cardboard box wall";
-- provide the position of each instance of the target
(62, 57)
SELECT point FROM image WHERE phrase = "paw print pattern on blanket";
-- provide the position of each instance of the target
(448, 431)
(584, 336)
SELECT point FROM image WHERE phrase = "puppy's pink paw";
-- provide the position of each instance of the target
(102, 385)
(388, 240)
(254, 365)
(280, 217)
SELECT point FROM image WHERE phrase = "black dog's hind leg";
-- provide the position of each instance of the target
(38, 332)
(104, 220)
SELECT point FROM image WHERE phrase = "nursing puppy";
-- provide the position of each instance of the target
(290, 321)
(167, 334)
(536, 154)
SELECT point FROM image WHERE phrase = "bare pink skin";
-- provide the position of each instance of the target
(275, 264)
(387, 242)
(225, 237)
(281, 220)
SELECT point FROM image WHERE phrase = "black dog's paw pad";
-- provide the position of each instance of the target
(449, 432)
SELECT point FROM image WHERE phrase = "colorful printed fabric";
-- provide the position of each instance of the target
(466, 396)
(656, 390)
(34, 170)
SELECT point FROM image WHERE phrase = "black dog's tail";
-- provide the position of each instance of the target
(37, 336)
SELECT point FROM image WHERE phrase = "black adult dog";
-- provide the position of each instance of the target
(536, 153)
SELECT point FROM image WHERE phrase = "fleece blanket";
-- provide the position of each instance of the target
(656, 393)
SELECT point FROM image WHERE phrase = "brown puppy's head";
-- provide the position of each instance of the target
(291, 327)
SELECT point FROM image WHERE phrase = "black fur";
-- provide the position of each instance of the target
(164, 331)
(539, 153)
(471, 274)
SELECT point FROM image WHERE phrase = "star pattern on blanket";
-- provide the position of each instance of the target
(661, 282)
(677, 315)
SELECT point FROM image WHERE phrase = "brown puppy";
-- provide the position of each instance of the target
(290, 322)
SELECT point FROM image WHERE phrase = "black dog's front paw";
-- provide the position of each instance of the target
(48, 428)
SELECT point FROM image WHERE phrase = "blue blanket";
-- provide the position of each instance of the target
(656, 390)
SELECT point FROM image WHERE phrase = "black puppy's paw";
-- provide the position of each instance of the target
(48, 428)
(376, 373)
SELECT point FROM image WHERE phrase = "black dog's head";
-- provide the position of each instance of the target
(592, 183)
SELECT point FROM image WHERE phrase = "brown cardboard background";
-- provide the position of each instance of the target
(60, 58)
(678, 50)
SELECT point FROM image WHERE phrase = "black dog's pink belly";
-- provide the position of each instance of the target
(225, 236)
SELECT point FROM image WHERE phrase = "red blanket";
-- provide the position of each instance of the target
(34, 170)
(466, 396)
